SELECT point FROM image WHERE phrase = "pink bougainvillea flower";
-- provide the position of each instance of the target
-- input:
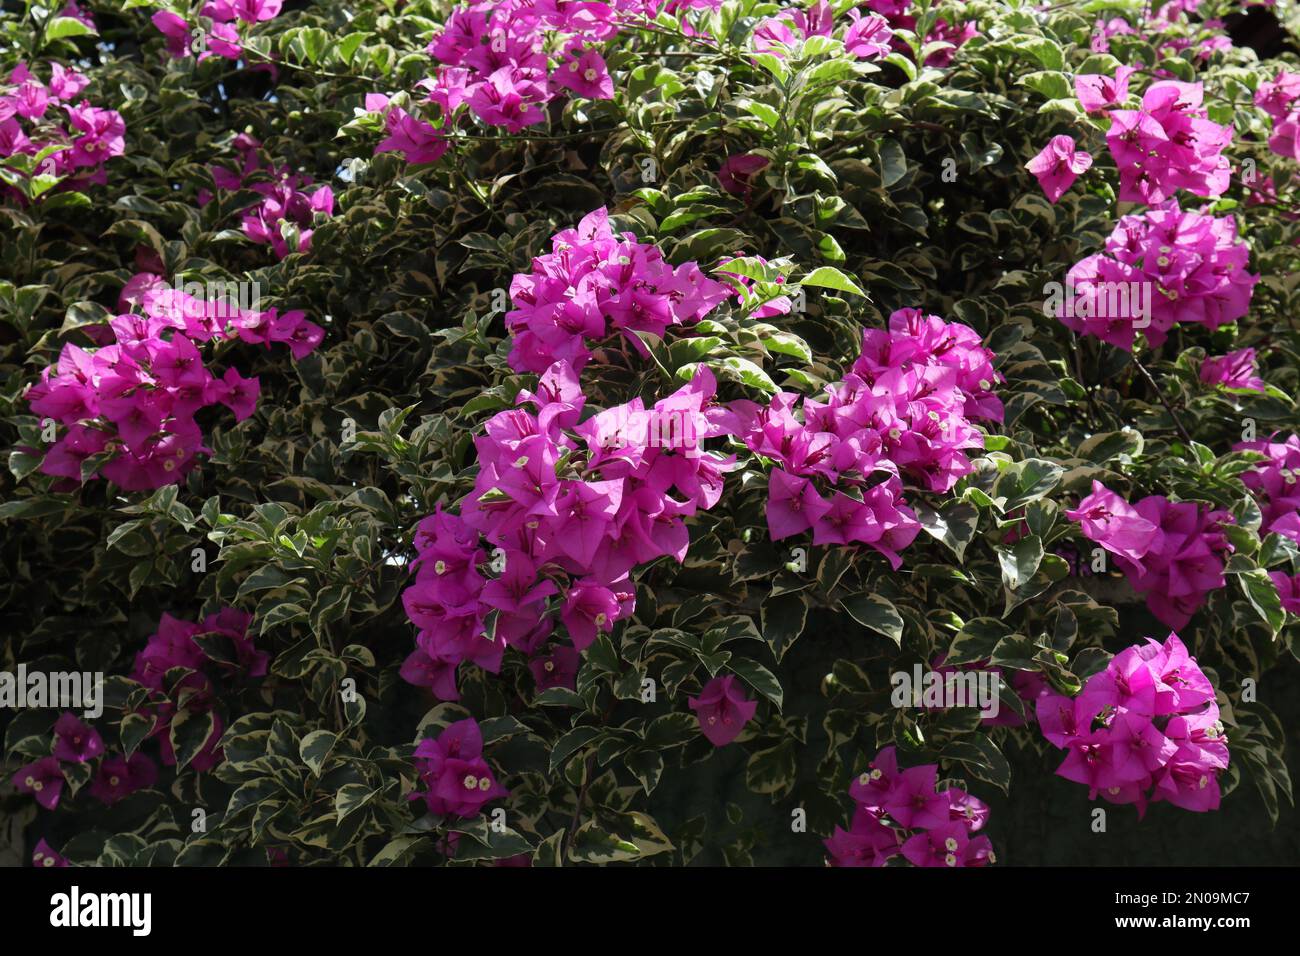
(1058, 165)
(1275, 482)
(966, 809)
(947, 845)
(437, 673)
(913, 801)
(1112, 522)
(793, 505)
(255, 11)
(1234, 370)
(556, 667)
(943, 820)
(1277, 96)
(76, 741)
(177, 31)
(1169, 144)
(737, 172)
(1285, 138)
(118, 777)
(868, 37)
(1176, 267)
(722, 709)
(509, 98)
(872, 787)
(868, 842)
(1097, 93)
(458, 780)
(42, 779)
(584, 74)
(417, 140)
(1175, 562)
(588, 610)
(44, 856)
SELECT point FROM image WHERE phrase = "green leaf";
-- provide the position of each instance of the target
(267, 577)
(1020, 562)
(976, 640)
(828, 277)
(1026, 481)
(61, 27)
(746, 372)
(330, 605)
(783, 617)
(133, 731)
(316, 748)
(772, 770)
(893, 163)
(954, 524)
(350, 798)
(488, 840)
(982, 758)
(572, 742)
(1051, 84)
(618, 837)
(758, 677)
(1263, 597)
(1047, 52)
(189, 732)
(876, 613)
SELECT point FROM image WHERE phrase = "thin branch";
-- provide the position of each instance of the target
(1163, 401)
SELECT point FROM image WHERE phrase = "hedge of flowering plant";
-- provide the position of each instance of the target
(542, 433)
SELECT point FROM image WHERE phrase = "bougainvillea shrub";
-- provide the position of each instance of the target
(680, 431)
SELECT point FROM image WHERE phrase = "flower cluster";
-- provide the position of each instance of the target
(1277, 98)
(223, 40)
(193, 691)
(494, 60)
(1168, 145)
(1275, 485)
(1159, 268)
(890, 802)
(903, 410)
(74, 742)
(867, 37)
(78, 143)
(179, 672)
(1143, 730)
(569, 510)
(504, 62)
(896, 17)
(457, 779)
(134, 400)
(1211, 38)
(595, 283)
(1173, 552)
(287, 211)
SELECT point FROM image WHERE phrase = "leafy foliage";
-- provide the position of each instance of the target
(888, 185)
